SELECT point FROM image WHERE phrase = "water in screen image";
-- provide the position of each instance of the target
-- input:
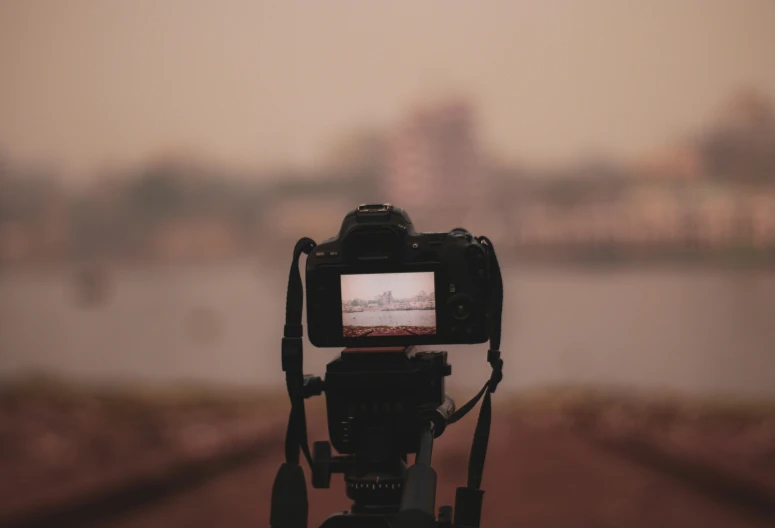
(388, 304)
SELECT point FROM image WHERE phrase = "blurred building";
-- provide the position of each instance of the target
(681, 162)
(433, 159)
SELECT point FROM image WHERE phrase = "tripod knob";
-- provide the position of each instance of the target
(321, 464)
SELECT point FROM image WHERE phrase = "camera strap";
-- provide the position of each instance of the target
(468, 500)
(289, 507)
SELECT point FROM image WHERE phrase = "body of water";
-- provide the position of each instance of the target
(698, 331)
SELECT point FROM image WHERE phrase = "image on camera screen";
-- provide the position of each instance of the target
(388, 304)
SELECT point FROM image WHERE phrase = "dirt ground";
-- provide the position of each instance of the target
(547, 465)
(537, 475)
(59, 443)
(391, 331)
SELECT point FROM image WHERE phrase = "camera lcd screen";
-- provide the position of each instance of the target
(388, 304)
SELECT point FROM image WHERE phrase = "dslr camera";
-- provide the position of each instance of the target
(377, 289)
(380, 283)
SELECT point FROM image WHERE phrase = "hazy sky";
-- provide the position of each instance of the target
(261, 83)
(403, 285)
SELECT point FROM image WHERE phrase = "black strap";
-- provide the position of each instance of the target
(293, 358)
(289, 493)
(469, 499)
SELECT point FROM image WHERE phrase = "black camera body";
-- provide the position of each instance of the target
(380, 283)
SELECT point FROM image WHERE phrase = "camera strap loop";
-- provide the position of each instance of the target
(289, 493)
(495, 361)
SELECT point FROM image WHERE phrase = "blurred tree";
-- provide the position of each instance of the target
(26, 192)
(157, 195)
(741, 146)
(592, 179)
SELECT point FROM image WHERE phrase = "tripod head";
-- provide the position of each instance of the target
(382, 405)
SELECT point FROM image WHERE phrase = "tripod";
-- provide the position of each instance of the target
(416, 507)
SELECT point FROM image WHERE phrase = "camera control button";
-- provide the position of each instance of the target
(333, 253)
(461, 311)
(461, 307)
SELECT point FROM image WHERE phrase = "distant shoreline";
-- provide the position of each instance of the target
(721, 263)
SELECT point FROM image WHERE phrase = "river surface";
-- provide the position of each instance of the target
(690, 330)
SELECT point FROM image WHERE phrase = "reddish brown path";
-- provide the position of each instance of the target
(534, 477)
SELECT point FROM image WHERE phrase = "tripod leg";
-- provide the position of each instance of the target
(418, 503)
